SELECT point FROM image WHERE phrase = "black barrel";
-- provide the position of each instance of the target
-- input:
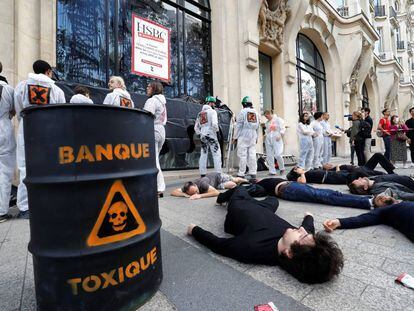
(94, 219)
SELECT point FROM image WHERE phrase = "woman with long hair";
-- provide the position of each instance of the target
(156, 104)
(305, 134)
(398, 132)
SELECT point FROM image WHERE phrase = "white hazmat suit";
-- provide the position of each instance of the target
(24, 96)
(317, 143)
(206, 126)
(305, 133)
(7, 146)
(157, 105)
(119, 97)
(275, 129)
(80, 99)
(327, 142)
(246, 135)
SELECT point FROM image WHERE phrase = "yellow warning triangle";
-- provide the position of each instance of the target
(139, 228)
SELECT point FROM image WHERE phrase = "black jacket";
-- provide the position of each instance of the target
(255, 227)
(399, 216)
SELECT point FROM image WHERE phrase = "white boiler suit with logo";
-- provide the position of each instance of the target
(21, 100)
(157, 105)
(114, 98)
(317, 143)
(275, 129)
(206, 126)
(327, 142)
(305, 133)
(7, 146)
(246, 135)
(80, 99)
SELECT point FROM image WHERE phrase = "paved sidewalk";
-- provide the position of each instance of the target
(197, 279)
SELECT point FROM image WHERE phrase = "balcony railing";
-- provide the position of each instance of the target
(400, 45)
(343, 11)
(380, 10)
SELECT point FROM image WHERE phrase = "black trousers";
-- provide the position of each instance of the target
(379, 158)
(412, 151)
(359, 150)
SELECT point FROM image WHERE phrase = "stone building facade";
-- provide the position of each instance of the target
(287, 55)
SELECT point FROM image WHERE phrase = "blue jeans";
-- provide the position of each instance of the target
(305, 193)
(387, 144)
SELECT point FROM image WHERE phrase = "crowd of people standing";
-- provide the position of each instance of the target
(39, 89)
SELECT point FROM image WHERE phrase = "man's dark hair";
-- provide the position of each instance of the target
(314, 264)
(81, 90)
(40, 66)
(302, 119)
(187, 186)
(354, 189)
(292, 175)
(366, 109)
(383, 110)
(317, 115)
(157, 87)
(410, 109)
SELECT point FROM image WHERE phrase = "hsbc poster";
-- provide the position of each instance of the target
(150, 49)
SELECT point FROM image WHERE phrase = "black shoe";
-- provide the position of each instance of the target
(5, 217)
(160, 194)
(23, 215)
(203, 175)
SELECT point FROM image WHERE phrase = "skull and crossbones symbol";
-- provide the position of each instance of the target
(118, 215)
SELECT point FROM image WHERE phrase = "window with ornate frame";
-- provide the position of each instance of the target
(311, 76)
(94, 42)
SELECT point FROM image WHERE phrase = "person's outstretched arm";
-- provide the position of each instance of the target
(229, 247)
(211, 192)
(178, 193)
(364, 220)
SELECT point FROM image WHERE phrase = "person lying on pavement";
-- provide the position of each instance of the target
(294, 191)
(262, 237)
(399, 215)
(402, 186)
(207, 186)
(342, 174)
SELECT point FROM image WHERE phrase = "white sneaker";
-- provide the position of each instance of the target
(412, 165)
(405, 165)
(396, 165)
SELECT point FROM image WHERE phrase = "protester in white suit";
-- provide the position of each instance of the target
(156, 104)
(38, 90)
(327, 139)
(119, 95)
(246, 135)
(7, 148)
(82, 95)
(317, 139)
(275, 130)
(206, 126)
(305, 133)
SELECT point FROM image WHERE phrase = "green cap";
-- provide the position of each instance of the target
(210, 99)
(246, 99)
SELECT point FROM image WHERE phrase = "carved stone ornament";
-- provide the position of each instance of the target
(353, 81)
(272, 21)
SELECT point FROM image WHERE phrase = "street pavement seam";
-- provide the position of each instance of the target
(24, 281)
